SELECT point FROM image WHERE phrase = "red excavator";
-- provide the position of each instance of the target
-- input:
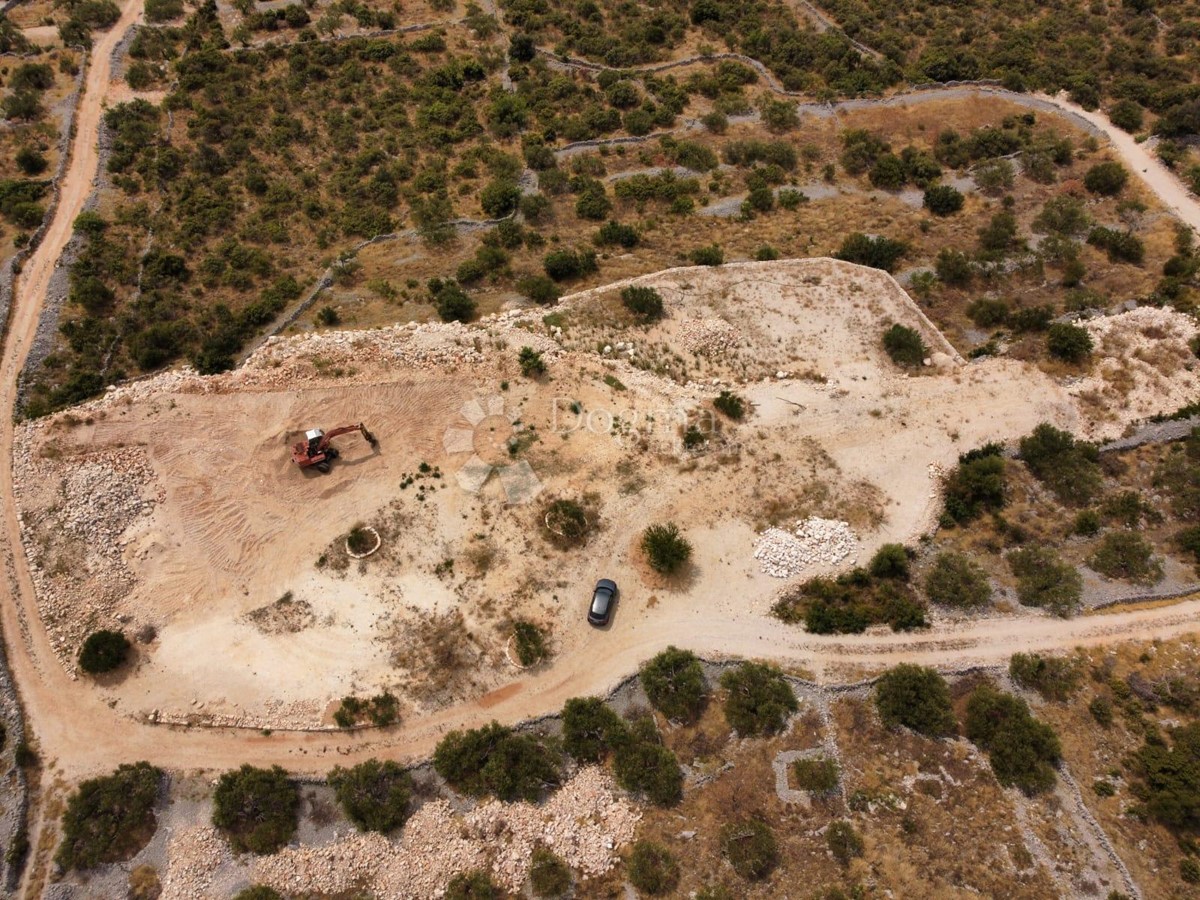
(315, 450)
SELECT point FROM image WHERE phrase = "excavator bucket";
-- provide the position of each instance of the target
(371, 439)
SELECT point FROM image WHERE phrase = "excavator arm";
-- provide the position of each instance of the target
(346, 429)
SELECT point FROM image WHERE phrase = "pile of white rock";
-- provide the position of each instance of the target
(813, 541)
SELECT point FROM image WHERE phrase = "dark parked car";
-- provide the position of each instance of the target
(603, 598)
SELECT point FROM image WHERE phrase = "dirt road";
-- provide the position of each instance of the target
(79, 734)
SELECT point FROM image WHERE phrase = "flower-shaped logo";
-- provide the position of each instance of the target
(487, 432)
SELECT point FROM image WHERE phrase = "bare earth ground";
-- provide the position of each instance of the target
(171, 507)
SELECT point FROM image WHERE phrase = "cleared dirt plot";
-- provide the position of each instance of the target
(172, 509)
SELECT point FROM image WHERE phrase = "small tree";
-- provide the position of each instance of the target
(652, 868)
(531, 362)
(917, 698)
(549, 876)
(1021, 749)
(890, 561)
(1126, 115)
(943, 200)
(494, 760)
(1106, 178)
(103, 651)
(499, 198)
(750, 847)
(1045, 580)
(645, 303)
(957, 582)
(644, 767)
(1069, 343)
(1068, 467)
(591, 729)
(109, 819)
(674, 684)
(453, 304)
(666, 548)
(760, 699)
(374, 795)
(1053, 677)
(904, 345)
(256, 808)
(978, 483)
(1126, 555)
(711, 255)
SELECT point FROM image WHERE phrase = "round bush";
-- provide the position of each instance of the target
(750, 848)
(917, 698)
(256, 808)
(1106, 178)
(666, 549)
(956, 581)
(844, 842)
(760, 699)
(674, 683)
(904, 345)
(1069, 343)
(472, 886)
(943, 200)
(1126, 115)
(374, 795)
(103, 651)
(652, 868)
(645, 303)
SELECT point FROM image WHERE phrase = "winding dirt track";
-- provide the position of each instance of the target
(80, 734)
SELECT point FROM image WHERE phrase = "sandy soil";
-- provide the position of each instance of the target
(227, 524)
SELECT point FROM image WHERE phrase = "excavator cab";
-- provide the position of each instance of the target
(317, 452)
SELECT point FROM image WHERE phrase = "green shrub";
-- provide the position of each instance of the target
(30, 161)
(674, 683)
(256, 809)
(1101, 709)
(549, 876)
(943, 200)
(565, 265)
(978, 483)
(494, 760)
(917, 698)
(1106, 178)
(453, 304)
(818, 774)
(750, 847)
(591, 729)
(530, 643)
(163, 10)
(1166, 776)
(1045, 581)
(1069, 468)
(1119, 246)
(760, 699)
(1126, 555)
(1053, 677)
(731, 405)
(844, 842)
(766, 253)
(1022, 750)
(1189, 870)
(1069, 343)
(475, 885)
(615, 234)
(666, 549)
(711, 255)
(1063, 215)
(1188, 540)
(499, 198)
(109, 819)
(374, 795)
(644, 767)
(645, 303)
(381, 710)
(955, 581)
(539, 289)
(876, 252)
(531, 362)
(652, 868)
(1126, 115)
(889, 561)
(904, 346)
(1087, 523)
(953, 267)
(1178, 476)
(103, 651)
